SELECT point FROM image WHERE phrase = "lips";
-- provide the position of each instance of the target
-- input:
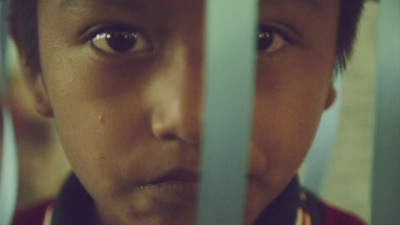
(177, 184)
(178, 175)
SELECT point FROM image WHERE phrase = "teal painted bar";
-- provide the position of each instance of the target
(386, 165)
(231, 29)
(9, 171)
(9, 159)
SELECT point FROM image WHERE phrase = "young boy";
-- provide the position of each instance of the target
(122, 79)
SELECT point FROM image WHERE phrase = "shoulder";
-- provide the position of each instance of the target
(32, 216)
(334, 216)
(325, 214)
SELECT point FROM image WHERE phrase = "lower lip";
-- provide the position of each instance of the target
(187, 191)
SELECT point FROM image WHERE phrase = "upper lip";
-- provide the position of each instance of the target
(177, 175)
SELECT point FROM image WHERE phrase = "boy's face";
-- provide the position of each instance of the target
(123, 81)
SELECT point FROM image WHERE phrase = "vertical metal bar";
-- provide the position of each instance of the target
(231, 29)
(9, 171)
(9, 159)
(386, 166)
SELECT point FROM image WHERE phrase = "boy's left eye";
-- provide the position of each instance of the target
(120, 40)
(269, 40)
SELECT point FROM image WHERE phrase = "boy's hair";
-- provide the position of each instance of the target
(25, 30)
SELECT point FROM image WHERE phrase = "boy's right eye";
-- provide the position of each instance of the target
(120, 40)
(270, 40)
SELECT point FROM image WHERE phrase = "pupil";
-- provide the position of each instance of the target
(121, 41)
(265, 38)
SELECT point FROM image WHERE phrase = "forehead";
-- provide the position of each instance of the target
(313, 4)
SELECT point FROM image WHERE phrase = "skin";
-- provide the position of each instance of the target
(128, 118)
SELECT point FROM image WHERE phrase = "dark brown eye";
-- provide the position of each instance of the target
(120, 40)
(269, 40)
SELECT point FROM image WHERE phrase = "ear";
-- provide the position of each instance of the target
(38, 89)
(39, 92)
(331, 97)
(34, 80)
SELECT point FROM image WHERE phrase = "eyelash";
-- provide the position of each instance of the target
(276, 35)
(104, 35)
(283, 34)
(272, 30)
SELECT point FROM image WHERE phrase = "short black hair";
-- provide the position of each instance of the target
(349, 17)
(25, 30)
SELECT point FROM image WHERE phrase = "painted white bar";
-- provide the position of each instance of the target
(386, 165)
(9, 159)
(9, 171)
(231, 31)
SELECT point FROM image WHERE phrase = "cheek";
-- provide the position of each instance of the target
(287, 111)
(290, 97)
(96, 121)
(283, 135)
(286, 115)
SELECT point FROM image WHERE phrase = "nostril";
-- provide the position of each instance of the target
(176, 116)
(176, 130)
(168, 136)
(164, 129)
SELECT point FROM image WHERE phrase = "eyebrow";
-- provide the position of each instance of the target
(135, 4)
(65, 3)
(314, 4)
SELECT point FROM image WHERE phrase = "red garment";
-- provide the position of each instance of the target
(32, 216)
(35, 216)
(74, 206)
(336, 217)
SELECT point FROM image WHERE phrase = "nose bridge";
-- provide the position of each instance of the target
(178, 115)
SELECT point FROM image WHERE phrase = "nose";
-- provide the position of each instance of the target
(177, 115)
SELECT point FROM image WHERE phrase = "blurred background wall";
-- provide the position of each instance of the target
(348, 181)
